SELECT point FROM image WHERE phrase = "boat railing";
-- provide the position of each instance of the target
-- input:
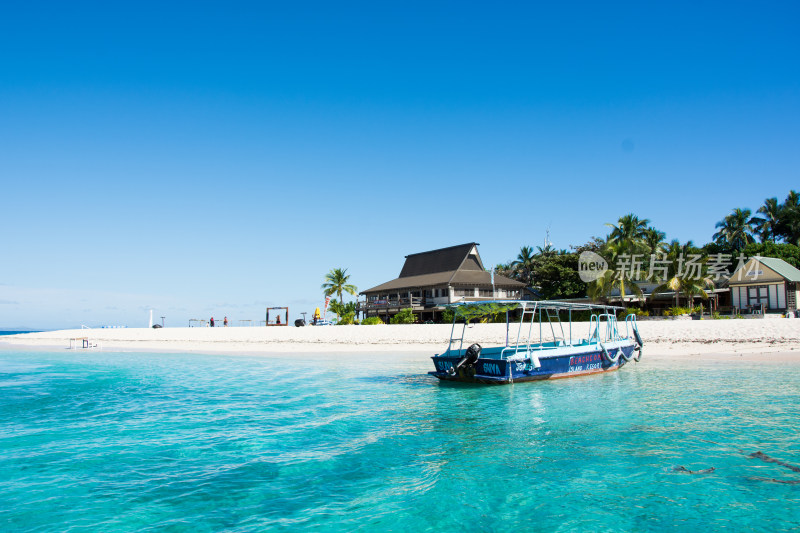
(602, 327)
(611, 332)
(630, 324)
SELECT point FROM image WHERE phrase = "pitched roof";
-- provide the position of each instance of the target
(453, 277)
(455, 265)
(441, 260)
(781, 267)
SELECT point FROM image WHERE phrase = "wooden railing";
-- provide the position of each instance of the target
(400, 303)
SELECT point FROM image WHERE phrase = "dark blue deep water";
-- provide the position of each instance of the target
(184, 442)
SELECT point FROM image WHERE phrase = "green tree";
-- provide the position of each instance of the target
(789, 224)
(735, 230)
(525, 262)
(654, 240)
(682, 279)
(405, 316)
(602, 287)
(595, 244)
(628, 234)
(336, 283)
(788, 252)
(547, 251)
(557, 277)
(505, 269)
(687, 286)
(767, 224)
(345, 312)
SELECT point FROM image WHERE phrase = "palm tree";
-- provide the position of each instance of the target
(688, 286)
(504, 269)
(688, 283)
(547, 251)
(767, 225)
(525, 261)
(629, 233)
(336, 283)
(792, 199)
(789, 223)
(600, 288)
(735, 230)
(654, 240)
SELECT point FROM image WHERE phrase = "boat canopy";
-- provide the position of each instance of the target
(489, 308)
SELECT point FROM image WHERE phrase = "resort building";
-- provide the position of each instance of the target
(765, 284)
(657, 303)
(431, 280)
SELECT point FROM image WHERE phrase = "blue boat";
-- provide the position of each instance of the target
(542, 347)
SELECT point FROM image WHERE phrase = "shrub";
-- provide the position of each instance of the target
(406, 316)
(636, 311)
(346, 319)
(447, 316)
(371, 321)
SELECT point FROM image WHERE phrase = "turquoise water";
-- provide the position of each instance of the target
(120, 442)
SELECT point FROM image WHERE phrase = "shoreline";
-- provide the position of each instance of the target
(677, 340)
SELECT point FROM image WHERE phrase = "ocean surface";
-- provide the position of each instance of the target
(104, 441)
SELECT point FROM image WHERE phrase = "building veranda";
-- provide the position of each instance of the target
(430, 280)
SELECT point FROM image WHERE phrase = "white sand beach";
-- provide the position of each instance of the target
(763, 339)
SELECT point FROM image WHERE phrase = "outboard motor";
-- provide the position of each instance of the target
(299, 323)
(471, 357)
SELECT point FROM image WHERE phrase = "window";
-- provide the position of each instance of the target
(465, 292)
(758, 296)
(485, 293)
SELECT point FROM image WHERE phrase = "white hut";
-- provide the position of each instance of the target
(765, 284)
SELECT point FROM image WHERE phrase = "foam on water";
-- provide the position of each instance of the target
(151, 441)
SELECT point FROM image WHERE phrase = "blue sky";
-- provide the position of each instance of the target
(209, 159)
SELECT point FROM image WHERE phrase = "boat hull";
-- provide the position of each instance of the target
(553, 364)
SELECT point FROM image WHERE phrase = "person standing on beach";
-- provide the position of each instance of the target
(225, 322)
(211, 322)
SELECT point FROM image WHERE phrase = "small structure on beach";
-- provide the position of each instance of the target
(765, 284)
(277, 312)
(430, 280)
